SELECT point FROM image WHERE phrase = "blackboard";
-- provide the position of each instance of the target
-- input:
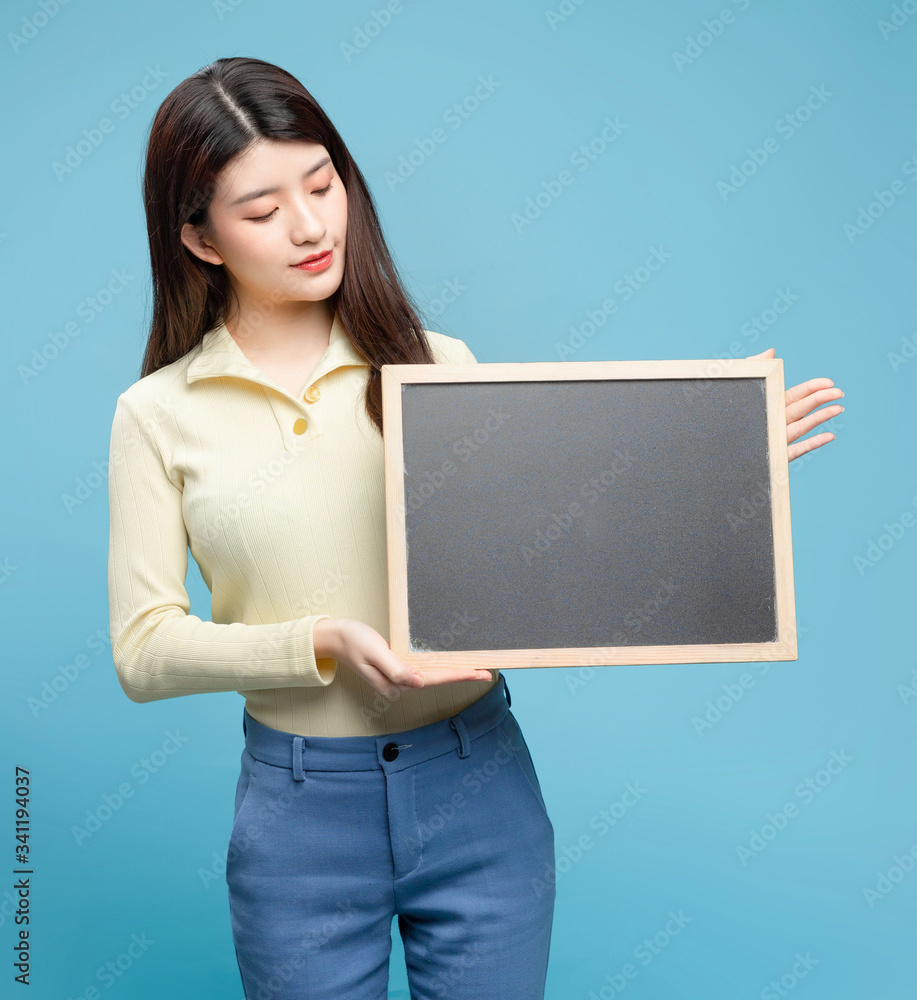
(553, 514)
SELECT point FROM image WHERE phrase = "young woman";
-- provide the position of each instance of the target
(254, 437)
(367, 789)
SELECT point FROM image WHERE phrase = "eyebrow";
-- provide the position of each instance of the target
(274, 190)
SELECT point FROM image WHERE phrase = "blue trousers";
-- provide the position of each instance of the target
(444, 825)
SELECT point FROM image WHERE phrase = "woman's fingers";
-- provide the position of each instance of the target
(389, 686)
(802, 426)
(448, 675)
(383, 683)
(363, 649)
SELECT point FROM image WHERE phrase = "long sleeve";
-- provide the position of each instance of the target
(159, 649)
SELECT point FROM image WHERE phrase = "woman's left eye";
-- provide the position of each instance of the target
(264, 218)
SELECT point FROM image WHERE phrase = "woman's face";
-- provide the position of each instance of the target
(276, 204)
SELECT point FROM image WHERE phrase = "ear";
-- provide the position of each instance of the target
(193, 239)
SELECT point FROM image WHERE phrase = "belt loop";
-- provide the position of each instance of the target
(297, 758)
(509, 701)
(458, 724)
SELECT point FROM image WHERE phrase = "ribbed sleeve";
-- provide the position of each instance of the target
(159, 649)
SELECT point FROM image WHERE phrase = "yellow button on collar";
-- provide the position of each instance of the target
(299, 426)
(312, 394)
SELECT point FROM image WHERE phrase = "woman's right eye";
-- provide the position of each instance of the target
(262, 218)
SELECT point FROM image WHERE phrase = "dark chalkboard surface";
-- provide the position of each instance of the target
(555, 514)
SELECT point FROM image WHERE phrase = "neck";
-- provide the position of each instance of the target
(279, 330)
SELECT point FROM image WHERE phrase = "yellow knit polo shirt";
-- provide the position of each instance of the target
(281, 501)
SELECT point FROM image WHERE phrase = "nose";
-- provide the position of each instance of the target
(306, 224)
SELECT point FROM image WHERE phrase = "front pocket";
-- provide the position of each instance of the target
(520, 751)
(245, 793)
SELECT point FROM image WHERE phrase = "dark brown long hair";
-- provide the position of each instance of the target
(211, 117)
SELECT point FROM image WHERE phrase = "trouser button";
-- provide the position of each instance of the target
(390, 751)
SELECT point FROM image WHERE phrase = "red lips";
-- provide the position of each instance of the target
(313, 256)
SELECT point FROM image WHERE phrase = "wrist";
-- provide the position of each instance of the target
(326, 638)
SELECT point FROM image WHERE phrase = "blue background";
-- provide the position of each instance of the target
(153, 868)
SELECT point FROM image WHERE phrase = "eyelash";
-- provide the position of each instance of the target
(263, 218)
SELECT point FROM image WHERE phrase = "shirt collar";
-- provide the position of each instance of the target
(220, 355)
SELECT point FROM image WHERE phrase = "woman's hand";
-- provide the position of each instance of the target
(800, 399)
(364, 650)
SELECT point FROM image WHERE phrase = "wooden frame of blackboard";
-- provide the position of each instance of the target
(396, 377)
